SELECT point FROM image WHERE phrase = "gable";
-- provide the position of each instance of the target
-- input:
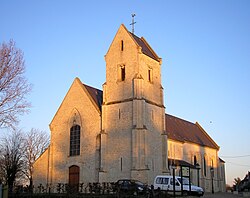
(121, 34)
(184, 131)
(79, 94)
(138, 42)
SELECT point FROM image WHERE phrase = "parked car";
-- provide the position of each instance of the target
(165, 182)
(132, 187)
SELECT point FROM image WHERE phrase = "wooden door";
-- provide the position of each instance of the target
(74, 178)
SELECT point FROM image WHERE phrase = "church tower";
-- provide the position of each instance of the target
(133, 137)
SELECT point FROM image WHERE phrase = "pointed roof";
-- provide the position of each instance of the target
(185, 131)
(96, 95)
(146, 49)
(141, 42)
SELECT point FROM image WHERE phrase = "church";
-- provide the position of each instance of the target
(123, 131)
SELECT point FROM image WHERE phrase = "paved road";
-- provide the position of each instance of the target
(222, 195)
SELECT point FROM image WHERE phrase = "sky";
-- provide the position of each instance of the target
(204, 46)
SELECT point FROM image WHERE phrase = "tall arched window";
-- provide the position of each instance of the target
(205, 167)
(75, 140)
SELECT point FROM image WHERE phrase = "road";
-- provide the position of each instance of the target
(222, 195)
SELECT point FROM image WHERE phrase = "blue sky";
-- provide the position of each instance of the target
(204, 45)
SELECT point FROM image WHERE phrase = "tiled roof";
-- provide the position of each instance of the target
(221, 160)
(96, 95)
(185, 131)
(176, 128)
(146, 49)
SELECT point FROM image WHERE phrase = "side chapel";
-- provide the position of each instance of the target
(123, 130)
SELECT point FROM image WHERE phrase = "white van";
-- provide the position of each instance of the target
(165, 182)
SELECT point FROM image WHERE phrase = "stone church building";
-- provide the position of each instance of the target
(123, 130)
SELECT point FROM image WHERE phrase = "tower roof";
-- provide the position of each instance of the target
(146, 49)
(140, 42)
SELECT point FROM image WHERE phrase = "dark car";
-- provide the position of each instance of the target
(130, 186)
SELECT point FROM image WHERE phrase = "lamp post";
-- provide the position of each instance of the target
(174, 167)
(197, 166)
(212, 178)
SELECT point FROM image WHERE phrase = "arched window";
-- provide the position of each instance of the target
(75, 140)
(123, 73)
(205, 167)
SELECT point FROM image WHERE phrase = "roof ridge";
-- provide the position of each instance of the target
(95, 95)
(206, 134)
(92, 87)
(150, 48)
(146, 49)
(180, 119)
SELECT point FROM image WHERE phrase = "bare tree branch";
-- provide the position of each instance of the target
(36, 142)
(13, 85)
(11, 158)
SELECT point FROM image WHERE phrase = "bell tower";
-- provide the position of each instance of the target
(133, 139)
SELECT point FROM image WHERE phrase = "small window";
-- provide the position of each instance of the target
(159, 180)
(195, 160)
(122, 45)
(165, 180)
(150, 75)
(123, 73)
(171, 181)
(121, 163)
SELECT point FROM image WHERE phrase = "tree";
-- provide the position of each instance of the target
(36, 142)
(13, 85)
(11, 158)
(237, 181)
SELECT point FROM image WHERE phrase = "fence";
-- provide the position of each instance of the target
(93, 190)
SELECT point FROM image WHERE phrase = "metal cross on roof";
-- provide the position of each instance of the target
(133, 23)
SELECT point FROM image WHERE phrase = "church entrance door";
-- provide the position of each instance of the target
(74, 178)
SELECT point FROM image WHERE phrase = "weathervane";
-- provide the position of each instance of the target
(133, 23)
